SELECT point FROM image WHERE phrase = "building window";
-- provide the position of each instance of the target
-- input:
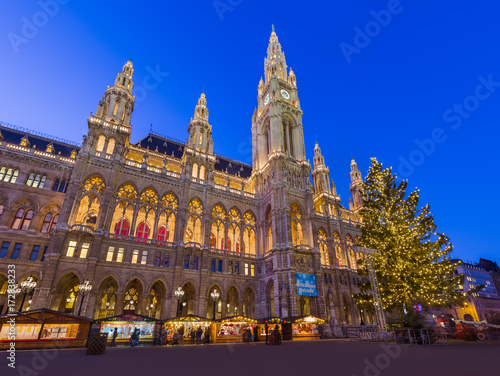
(166, 260)
(246, 268)
(44, 252)
(186, 262)
(158, 259)
(144, 257)
(212, 266)
(119, 255)
(195, 263)
(34, 253)
(71, 248)
(17, 249)
(4, 249)
(47, 222)
(18, 219)
(111, 253)
(220, 266)
(36, 181)
(230, 267)
(8, 175)
(84, 250)
(1, 210)
(27, 220)
(330, 279)
(143, 231)
(326, 279)
(236, 267)
(252, 270)
(135, 255)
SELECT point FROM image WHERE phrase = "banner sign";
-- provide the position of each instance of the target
(306, 284)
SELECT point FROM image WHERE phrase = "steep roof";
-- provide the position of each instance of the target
(165, 145)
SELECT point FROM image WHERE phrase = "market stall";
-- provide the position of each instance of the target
(187, 323)
(235, 328)
(306, 327)
(43, 328)
(271, 324)
(126, 324)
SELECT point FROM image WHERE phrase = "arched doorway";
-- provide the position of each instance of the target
(133, 293)
(187, 302)
(156, 298)
(232, 300)
(210, 303)
(249, 303)
(106, 302)
(67, 294)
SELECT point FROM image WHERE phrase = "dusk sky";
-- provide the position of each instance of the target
(415, 84)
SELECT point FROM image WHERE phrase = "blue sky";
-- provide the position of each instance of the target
(412, 81)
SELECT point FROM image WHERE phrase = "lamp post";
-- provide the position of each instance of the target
(215, 296)
(179, 293)
(26, 287)
(83, 290)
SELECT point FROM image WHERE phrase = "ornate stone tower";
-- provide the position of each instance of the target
(355, 187)
(198, 157)
(281, 175)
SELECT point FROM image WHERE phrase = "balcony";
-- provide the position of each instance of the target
(82, 228)
(231, 253)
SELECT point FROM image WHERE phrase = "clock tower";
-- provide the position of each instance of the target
(277, 120)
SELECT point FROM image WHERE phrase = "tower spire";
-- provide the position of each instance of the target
(200, 131)
(117, 103)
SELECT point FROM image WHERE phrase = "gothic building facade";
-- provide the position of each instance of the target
(139, 220)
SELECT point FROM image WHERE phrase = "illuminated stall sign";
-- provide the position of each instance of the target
(306, 284)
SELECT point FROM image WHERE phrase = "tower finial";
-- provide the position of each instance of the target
(273, 25)
(151, 128)
(131, 56)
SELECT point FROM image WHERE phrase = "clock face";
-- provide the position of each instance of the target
(266, 101)
(285, 94)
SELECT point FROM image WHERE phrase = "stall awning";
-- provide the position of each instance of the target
(237, 319)
(130, 317)
(189, 318)
(44, 315)
(305, 319)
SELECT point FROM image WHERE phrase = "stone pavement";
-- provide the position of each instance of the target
(311, 358)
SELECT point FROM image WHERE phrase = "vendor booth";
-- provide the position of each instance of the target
(235, 329)
(271, 325)
(306, 327)
(43, 328)
(126, 324)
(187, 323)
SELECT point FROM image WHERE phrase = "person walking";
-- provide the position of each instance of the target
(181, 334)
(115, 334)
(199, 333)
(137, 335)
(266, 327)
(193, 336)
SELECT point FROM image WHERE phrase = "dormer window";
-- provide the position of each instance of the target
(50, 148)
(25, 141)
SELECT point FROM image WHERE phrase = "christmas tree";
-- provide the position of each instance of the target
(413, 266)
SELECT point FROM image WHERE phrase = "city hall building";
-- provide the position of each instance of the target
(139, 220)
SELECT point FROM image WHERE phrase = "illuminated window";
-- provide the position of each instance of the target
(18, 219)
(143, 231)
(252, 273)
(246, 268)
(144, 257)
(85, 249)
(71, 248)
(110, 254)
(122, 227)
(135, 256)
(27, 220)
(119, 255)
(46, 223)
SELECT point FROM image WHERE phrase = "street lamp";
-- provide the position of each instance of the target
(26, 287)
(83, 290)
(179, 293)
(215, 296)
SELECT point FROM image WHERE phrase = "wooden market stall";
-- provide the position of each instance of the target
(126, 324)
(43, 328)
(234, 329)
(306, 327)
(271, 325)
(188, 323)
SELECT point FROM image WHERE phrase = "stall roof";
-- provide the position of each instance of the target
(43, 315)
(128, 317)
(188, 318)
(236, 319)
(310, 319)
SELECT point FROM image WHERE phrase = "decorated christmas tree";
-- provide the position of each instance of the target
(413, 265)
